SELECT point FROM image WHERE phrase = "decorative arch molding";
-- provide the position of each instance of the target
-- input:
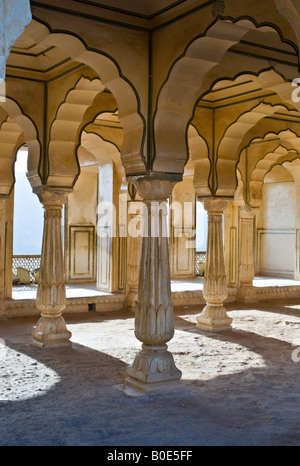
(272, 146)
(63, 167)
(264, 132)
(112, 78)
(103, 152)
(30, 137)
(11, 138)
(177, 97)
(106, 133)
(277, 157)
(271, 140)
(291, 11)
(230, 146)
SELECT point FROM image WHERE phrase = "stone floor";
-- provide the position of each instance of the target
(193, 284)
(238, 388)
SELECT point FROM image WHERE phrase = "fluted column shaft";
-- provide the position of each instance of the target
(51, 329)
(154, 317)
(214, 316)
(153, 368)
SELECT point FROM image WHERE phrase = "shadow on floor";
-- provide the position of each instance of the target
(238, 388)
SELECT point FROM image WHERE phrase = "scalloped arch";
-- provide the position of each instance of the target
(111, 76)
(231, 144)
(276, 146)
(103, 151)
(30, 137)
(63, 167)
(264, 166)
(184, 87)
(11, 138)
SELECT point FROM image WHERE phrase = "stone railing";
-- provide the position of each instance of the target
(26, 263)
(200, 259)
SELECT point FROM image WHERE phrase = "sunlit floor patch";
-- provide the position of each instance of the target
(22, 377)
(208, 358)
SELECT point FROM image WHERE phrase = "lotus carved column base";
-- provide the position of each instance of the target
(153, 370)
(51, 332)
(214, 318)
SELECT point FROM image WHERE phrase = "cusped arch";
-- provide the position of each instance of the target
(110, 73)
(231, 144)
(270, 149)
(277, 157)
(30, 137)
(269, 142)
(103, 152)
(185, 85)
(11, 138)
(63, 167)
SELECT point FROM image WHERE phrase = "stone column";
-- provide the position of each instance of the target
(3, 313)
(214, 317)
(51, 331)
(246, 292)
(133, 252)
(153, 368)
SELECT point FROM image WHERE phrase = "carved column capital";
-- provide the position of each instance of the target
(246, 212)
(154, 188)
(215, 205)
(51, 197)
